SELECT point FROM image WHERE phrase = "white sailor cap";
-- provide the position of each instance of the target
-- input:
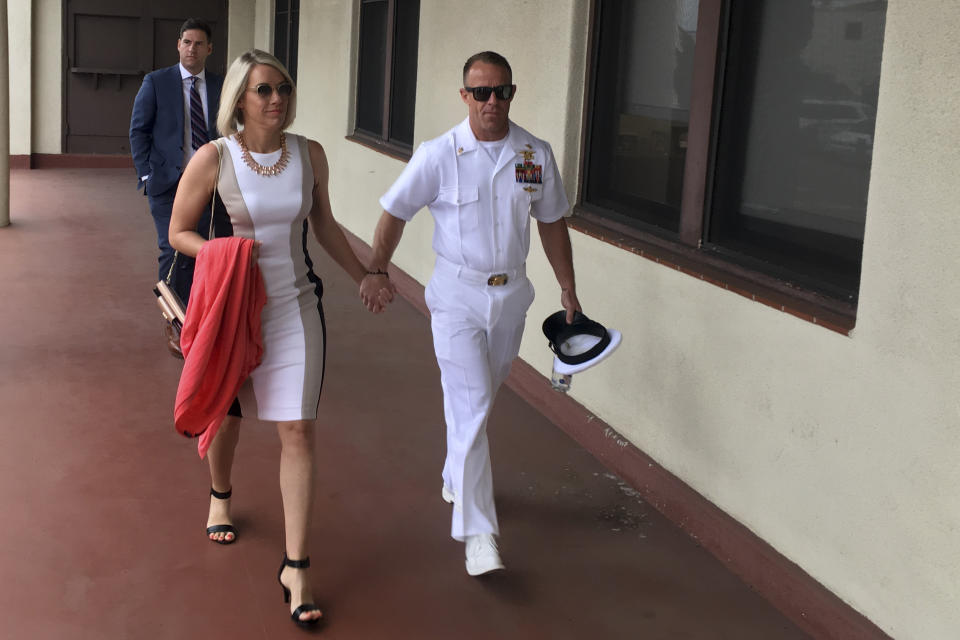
(579, 345)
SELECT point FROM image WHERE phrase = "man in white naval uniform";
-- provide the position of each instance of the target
(482, 180)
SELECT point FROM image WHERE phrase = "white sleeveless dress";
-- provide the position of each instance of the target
(273, 210)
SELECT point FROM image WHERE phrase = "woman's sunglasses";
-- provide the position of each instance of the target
(482, 94)
(283, 90)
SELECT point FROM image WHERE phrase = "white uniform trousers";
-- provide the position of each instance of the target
(476, 336)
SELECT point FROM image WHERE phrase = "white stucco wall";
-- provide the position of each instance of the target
(20, 40)
(263, 27)
(47, 68)
(907, 344)
(241, 29)
(838, 450)
(251, 26)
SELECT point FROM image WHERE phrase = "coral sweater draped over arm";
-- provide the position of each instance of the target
(221, 337)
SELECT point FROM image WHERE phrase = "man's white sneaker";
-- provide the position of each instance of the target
(482, 554)
(446, 494)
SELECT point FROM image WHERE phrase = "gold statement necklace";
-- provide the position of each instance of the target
(258, 168)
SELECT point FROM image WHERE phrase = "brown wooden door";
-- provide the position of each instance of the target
(110, 45)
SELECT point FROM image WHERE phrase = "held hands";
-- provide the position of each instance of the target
(377, 292)
(568, 300)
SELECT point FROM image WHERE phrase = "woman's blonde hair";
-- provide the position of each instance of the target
(235, 84)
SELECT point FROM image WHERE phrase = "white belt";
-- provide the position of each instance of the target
(486, 278)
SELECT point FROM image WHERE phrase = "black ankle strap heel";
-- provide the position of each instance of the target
(305, 607)
(296, 564)
(221, 496)
(222, 528)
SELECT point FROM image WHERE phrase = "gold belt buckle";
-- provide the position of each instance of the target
(497, 280)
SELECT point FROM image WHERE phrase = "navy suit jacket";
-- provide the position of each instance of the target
(156, 126)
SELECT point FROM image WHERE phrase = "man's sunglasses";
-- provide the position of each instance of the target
(264, 90)
(482, 94)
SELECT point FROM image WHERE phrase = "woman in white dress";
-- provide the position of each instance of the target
(274, 186)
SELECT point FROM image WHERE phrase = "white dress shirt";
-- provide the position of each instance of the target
(187, 129)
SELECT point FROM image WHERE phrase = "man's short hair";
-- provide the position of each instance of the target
(490, 57)
(193, 23)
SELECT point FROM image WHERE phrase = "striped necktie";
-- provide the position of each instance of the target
(198, 124)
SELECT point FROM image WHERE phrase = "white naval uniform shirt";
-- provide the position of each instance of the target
(481, 212)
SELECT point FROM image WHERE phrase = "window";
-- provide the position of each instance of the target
(387, 74)
(641, 111)
(286, 34)
(736, 138)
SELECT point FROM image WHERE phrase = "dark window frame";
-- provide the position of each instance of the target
(287, 21)
(687, 251)
(383, 142)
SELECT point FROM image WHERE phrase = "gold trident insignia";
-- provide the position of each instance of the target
(527, 155)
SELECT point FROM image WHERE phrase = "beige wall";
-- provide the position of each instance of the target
(907, 339)
(263, 28)
(251, 25)
(20, 42)
(241, 18)
(47, 67)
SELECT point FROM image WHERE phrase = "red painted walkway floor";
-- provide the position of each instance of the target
(103, 504)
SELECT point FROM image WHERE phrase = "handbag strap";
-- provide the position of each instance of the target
(213, 201)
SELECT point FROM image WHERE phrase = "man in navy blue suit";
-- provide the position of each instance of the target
(175, 112)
